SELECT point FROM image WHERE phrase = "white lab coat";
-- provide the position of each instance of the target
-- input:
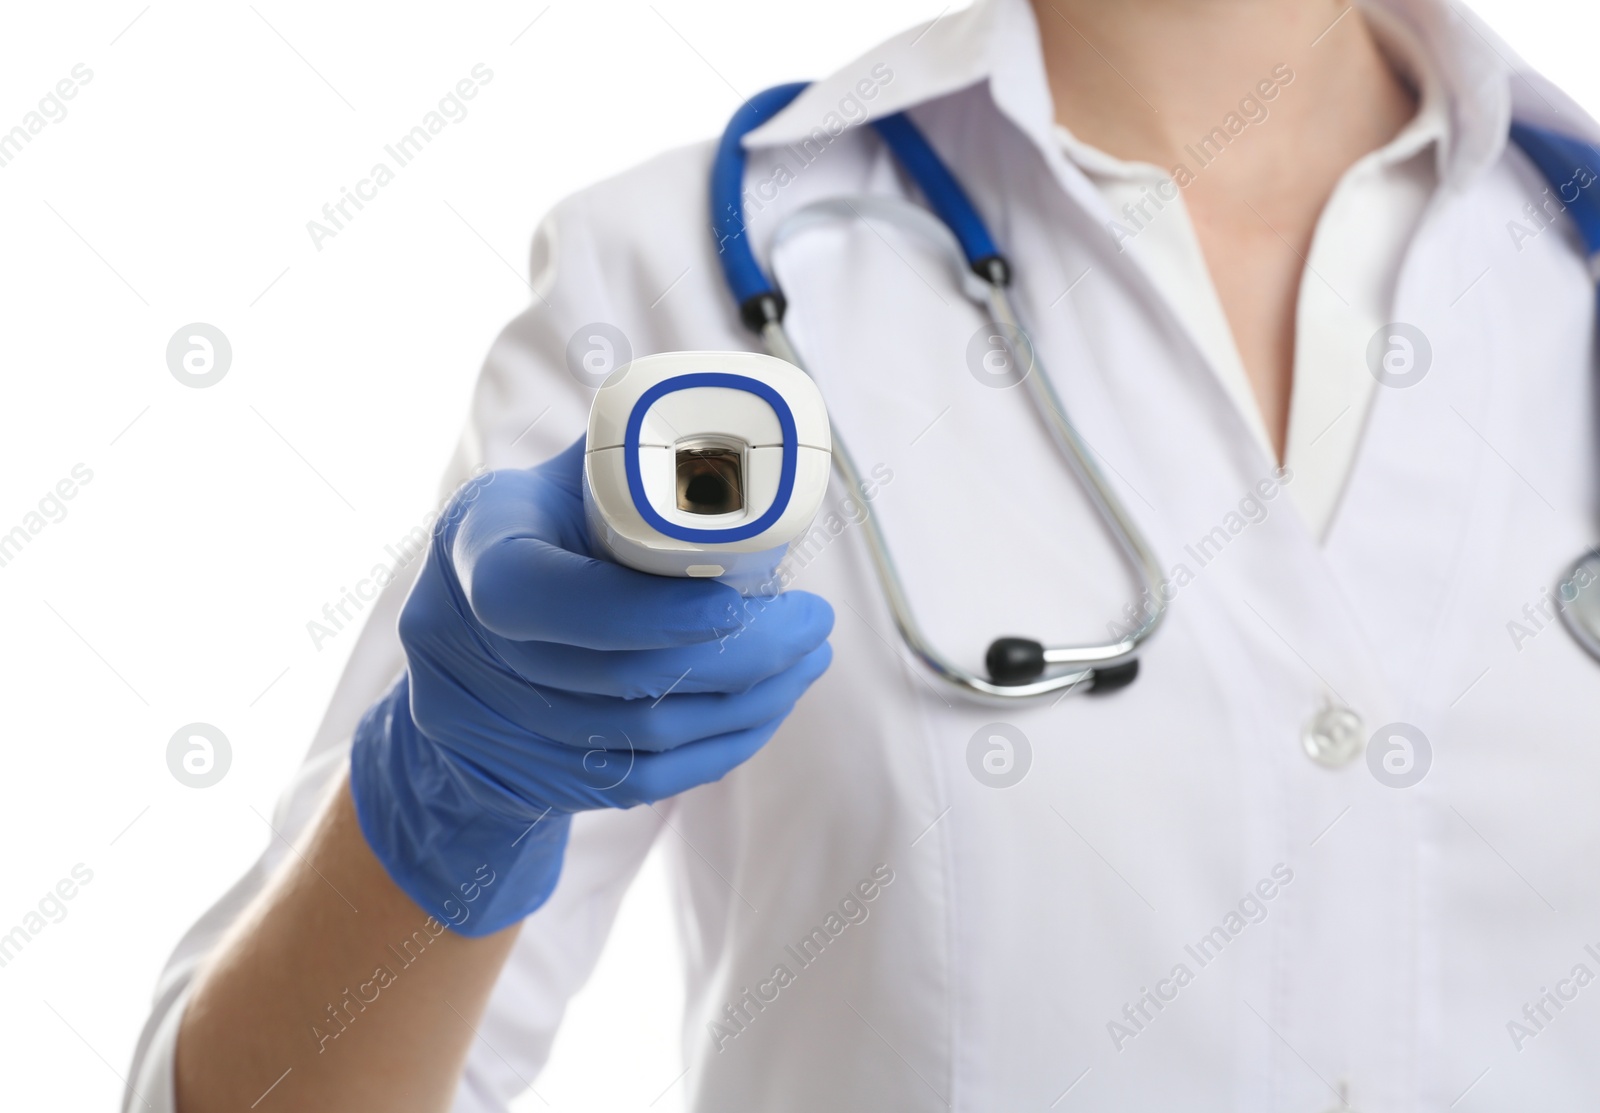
(1009, 957)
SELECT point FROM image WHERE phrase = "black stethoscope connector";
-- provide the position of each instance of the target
(1014, 661)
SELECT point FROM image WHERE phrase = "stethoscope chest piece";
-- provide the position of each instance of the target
(1578, 602)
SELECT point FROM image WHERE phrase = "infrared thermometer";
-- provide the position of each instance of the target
(705, 464)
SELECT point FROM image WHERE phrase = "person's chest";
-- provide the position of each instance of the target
(1042, 887)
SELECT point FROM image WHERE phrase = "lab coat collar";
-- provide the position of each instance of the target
(993, 40)
(1485, 83)
(997, 41)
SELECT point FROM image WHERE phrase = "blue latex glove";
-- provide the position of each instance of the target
(541, 681)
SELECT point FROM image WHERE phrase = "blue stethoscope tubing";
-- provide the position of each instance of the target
(1017, 667)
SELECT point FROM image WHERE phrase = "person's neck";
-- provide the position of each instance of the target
(1257, 108)
(1143, 79)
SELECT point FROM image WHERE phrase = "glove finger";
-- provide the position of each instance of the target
(519, 548)
(776, 633)
(565, 468)
(660, 775)
(525, 589)
(565, 779)
(600, 722)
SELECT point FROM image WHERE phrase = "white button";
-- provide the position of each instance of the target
(699, 570)
(1333, 737)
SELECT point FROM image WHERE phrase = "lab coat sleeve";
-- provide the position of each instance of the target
(526, 407)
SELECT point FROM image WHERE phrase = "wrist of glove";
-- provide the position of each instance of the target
(541, 682)
(472, 858)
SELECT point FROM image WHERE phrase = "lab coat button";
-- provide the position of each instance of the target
(1333, 737)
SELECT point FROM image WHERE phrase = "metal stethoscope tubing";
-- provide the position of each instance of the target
(1106, 665)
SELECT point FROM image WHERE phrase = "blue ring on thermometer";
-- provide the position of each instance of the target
(786, 474)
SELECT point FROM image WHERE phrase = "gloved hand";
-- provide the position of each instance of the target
(541, 681)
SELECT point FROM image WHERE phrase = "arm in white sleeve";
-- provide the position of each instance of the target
(526, 407)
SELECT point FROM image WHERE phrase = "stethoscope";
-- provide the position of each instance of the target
(1021, 667)
(1572, 169)
(1017, 667)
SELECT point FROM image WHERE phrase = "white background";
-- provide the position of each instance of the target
(219, 521)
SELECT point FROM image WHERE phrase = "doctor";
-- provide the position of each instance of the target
(1331, 337)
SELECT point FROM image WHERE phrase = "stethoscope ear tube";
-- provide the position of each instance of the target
(945, 196)
(758, 299)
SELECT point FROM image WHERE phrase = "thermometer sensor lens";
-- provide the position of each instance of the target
(710, 480)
